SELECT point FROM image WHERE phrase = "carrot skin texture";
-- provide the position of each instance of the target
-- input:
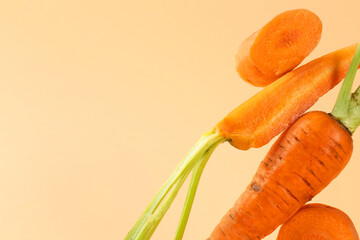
(318, 221)
(278, 47)
(256, 121)
(302, 162)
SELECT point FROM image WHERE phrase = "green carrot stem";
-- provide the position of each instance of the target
(353, 120)
(153, 221)
(164, 190)
(192, 191)
(184, 168)
(343, 100)
(356, 94)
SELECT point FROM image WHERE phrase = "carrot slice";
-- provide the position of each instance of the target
(278, 47)
(318, 221)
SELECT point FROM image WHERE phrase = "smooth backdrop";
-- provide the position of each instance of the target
(100, 100)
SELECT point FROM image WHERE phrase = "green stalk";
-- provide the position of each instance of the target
(153, 221)
(353, 119)
(164, 189)
(192, 191)
(347, 106)
(182, 170)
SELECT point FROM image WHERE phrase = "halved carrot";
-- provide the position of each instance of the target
(256, 121)
(318, 221)
(278, 47)
(302, 162)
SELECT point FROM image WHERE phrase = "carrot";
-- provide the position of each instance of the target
(256, 121)
(318, 221)
(278, 47)
(302, 162)
(252, 124)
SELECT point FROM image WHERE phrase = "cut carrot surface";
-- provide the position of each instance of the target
(278, 47)
(318, 221)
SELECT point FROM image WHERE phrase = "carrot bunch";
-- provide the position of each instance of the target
(256, 121)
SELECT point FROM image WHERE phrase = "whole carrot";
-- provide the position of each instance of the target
(318, 221)
(278, 47)
(302, 162)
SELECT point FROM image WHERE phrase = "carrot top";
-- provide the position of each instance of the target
(347, 106)
(194, 161)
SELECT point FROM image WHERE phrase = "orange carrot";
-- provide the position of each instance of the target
(252, 124)
(318, 221)
(303, 161)
(256, 121)
(278, 47)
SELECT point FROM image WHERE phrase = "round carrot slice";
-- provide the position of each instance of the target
(278, 47)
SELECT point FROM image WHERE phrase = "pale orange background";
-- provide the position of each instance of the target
(100, 100)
